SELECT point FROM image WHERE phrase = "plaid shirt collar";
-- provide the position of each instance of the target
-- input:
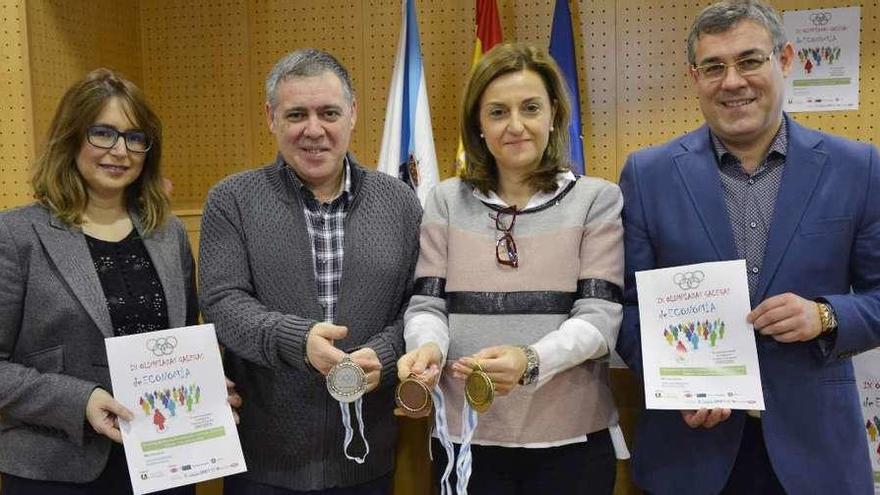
(309, 197)
(778, 146)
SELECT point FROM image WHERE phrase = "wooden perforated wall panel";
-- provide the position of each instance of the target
(16, 123)
(203, 64)
(197, 69)
(654, 102)
(70, 38)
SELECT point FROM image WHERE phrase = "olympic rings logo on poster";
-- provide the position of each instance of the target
(162, 346)
(820, 18)
(689, 280)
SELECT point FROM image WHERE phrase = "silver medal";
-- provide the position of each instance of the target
(346, 381)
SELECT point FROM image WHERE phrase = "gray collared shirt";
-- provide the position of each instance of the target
(750, 200)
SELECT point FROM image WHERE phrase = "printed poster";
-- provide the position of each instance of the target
(825, 73)
(183, 431)
(867, 367)
(698, 350)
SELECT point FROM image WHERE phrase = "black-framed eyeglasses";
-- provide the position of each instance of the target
(505, 219)
(103, 136)
(715, 71)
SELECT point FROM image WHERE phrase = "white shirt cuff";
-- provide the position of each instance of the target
(424, 328)
(574, 342)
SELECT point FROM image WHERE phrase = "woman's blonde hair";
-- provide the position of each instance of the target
(56, 180)
(480, 168)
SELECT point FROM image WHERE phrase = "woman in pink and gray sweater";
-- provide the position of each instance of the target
(520, 270)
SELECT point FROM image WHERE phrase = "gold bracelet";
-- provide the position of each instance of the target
(826, 318)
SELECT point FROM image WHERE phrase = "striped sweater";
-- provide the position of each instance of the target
(564, 294)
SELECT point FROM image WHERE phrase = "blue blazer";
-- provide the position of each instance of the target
(824, 241)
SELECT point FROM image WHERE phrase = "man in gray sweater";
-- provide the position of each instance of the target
(305, 262)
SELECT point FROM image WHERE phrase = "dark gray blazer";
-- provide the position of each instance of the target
(53, 322)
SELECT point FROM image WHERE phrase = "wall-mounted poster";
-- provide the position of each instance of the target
(825, 73)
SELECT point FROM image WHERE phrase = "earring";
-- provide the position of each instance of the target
(551, 128)
(482, 136)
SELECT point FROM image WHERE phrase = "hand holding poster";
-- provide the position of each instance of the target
(698, 350)
(183, 431)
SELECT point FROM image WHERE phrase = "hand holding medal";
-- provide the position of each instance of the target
(368, 360)
(503, 366)
(413, 394)
(417, 371)
(479, 389)
(321, 354)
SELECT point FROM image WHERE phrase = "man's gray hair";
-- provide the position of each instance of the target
(722, 16)
(306, 62)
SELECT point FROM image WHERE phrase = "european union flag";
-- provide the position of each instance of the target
(562, 50)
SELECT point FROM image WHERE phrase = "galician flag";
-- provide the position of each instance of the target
(408, 140)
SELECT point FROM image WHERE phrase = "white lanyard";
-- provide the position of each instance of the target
(465, 459)
(347, 382)
(349, 431)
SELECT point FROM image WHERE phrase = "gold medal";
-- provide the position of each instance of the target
(413, 397)
(479, 389)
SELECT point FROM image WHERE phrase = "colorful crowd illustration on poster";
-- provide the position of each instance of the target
(687, 337)
(163, 405)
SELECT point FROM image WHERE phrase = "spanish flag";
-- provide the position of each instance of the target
(488, 35)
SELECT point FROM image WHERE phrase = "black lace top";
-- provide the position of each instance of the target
(131, 285)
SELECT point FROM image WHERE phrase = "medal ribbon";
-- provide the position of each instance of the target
(349, 430)
(464, 461)
(443, 436)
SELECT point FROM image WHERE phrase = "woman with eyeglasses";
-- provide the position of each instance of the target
(519, 278)
(97, 255)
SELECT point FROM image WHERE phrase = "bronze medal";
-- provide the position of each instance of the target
(413, 397)
(479, 389)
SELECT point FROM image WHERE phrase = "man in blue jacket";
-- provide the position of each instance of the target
(800, 207)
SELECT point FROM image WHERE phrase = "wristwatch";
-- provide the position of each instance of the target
(827, 317)
(530, 374)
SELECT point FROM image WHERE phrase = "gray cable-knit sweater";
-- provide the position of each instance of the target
(258, 287)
